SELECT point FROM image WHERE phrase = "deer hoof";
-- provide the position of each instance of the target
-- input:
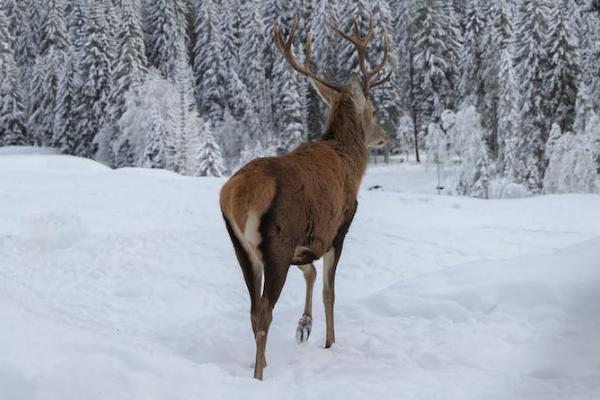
(303, 329)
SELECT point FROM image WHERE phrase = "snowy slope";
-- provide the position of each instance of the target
(123, 285)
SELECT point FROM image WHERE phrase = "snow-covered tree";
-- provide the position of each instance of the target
(471, 57)
(211, 162)
(65, 135)
(496, 40)
(251, 69)
(94, 81)
(573, 161)
(430, 58)
(532, 68)
(12, 108)
(166, 34)
(466, 138)
(44, 82)
(129, 70)
(563, 73)
(210, 68)
(20, 26)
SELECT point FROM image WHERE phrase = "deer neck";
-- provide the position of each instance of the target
(345, 134)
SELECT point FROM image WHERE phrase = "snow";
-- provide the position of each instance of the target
(122, 284)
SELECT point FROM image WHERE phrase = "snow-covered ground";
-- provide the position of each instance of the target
(122, 284)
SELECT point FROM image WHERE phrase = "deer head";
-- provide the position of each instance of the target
(354, 95)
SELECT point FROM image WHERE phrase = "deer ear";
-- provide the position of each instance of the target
(356, 89)
(326, 93)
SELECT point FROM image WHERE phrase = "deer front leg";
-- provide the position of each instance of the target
(305, 322)
(329, 266)
(330, 261)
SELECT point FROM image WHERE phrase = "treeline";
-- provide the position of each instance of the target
(196, 86)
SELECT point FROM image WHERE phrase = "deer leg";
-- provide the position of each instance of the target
(329, 267)
(330, 261)
(305, 323)
(252, 274)
(274, 281)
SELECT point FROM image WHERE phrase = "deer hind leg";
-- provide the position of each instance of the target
(252, 274)
(305, 323)
(275, 276)
(276, 256)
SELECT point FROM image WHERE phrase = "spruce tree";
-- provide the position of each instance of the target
(563, 73)
(165, 29)
(210, 69)
(65, 135)
(471, 58)
(251, 70)
(130, 69)
(532, 69)
(509, 119)
(211, 162)
(43, 87)
(12, 108)
(94, 82)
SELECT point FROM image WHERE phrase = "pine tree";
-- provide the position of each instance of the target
(209, 67)
(406, 75)
(252, 70)
(130, 68)
(241, 105)
(211, 162)
(231, 33)
(563, 73)
(532, 67)
(165, 29)
(24, 44)
(12, 108)
(509, 119)
(44, 83)
(95, 77)
(467, 142)
(430, 63)
(496, 40)
(65, 135)
(6, 40)
(471, 58)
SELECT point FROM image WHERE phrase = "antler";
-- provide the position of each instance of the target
(285, 48)
(361, 42)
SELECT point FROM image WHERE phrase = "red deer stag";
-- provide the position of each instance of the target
(296, 208)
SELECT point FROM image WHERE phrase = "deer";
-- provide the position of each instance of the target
(296, 208)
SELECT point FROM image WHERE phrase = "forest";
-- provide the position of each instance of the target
(506, 92)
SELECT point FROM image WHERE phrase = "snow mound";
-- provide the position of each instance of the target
(123, 285)
(27, 150)
(10, 162)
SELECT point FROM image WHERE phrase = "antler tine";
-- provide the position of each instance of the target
(375, 71)
(285, 48)
(308, 50)
(382, 80)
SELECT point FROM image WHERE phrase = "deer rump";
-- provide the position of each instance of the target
(277, 199)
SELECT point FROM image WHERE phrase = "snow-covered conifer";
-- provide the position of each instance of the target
(563, 73)
(94, 68)
(12, 108)
(209, 66)
(532, 69)
(211, 162)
